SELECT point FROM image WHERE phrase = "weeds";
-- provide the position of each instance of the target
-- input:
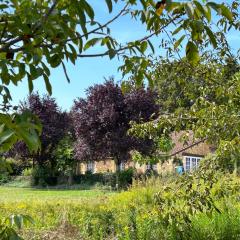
(136, 214)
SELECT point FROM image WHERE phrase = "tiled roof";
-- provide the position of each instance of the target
(182, 144)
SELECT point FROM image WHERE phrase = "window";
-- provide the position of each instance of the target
(151, 167)
(198, 161)
(188, 163)
(192, 162)
(90, 167)
(122, 166)
(154, 167)
(148, 166)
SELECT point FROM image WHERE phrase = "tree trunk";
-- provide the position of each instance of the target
(33, 163)
(77, 168)
(117, 163)
(70, 179)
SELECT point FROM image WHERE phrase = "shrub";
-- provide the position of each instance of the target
(5, 171)
(4, 177)
(18, 166)
(107, 179)
(126, 178)
(27, 172)
(43, 176)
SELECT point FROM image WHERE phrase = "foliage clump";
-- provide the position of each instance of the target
(101, 122)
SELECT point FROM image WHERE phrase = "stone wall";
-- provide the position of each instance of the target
(200, 150)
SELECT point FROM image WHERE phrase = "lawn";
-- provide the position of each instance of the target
(48, 207)
(12, 194)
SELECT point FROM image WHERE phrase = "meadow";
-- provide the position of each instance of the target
(128, 215)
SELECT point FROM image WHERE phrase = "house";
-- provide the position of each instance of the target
(188, 152)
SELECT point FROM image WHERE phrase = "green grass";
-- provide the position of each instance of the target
(13, 194)
(50, 208)
(97, 215)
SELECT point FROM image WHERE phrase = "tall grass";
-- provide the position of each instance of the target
(132, 214)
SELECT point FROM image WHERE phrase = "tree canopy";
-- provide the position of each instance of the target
(39, 35)
(212, 112)
(55, 125)
(101, 122)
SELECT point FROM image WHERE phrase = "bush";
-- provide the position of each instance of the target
(43, 176)
(126, 178)
(107, 179)
(5, 171)
(91, 179)
(18, 166)
(4, 177)
(27, 172)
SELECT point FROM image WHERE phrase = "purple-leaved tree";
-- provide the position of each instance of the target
(101, 122)
(54, 126)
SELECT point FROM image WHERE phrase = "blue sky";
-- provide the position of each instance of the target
(88, 71)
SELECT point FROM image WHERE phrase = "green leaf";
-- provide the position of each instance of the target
(111, 53)
(28, 219)
(33, 72)
(172, 5)
(151, 46)
(91, 43)
(55, 60)
(211, 36)
(19, 56)
(88, 10)
(30, 138)
(82, 19)
(3, 6)
(144, 46)
(214, 6)
(46, 69)
(6, 135)
(208, 13)
(177, 30)
(204, 11)
(225, 11)
(179, 41)
(18, 221)
(30, 84)
(192, 53)
(48, 84)
(109, 4)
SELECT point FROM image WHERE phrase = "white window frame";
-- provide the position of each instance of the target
(191, 162)
(150, 166)
(122, 166)
(90, 167)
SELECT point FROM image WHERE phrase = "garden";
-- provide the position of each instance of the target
(87, 160)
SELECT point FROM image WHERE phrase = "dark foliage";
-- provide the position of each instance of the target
(54, 122)
(106, 179)
(101, 122)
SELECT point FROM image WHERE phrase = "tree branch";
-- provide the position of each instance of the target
(50, 11)
(7, 46)
(65, 72)
(127, 46)
(100, 27)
